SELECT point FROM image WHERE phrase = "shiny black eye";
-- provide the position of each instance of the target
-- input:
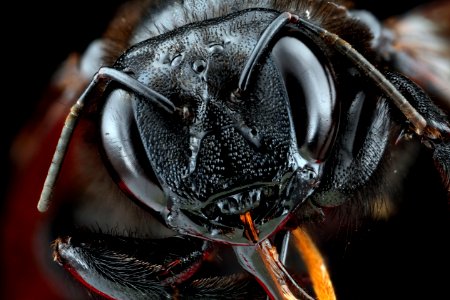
(199, 66)
(310, 86)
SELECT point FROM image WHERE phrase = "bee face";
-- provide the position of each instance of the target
(218, 134)
(221, 154)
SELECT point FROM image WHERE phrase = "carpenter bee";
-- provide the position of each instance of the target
(213, 149)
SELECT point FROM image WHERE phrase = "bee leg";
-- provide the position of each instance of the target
(353, 170)
(437, 134)
(130, 268)
(236, 286)
(437, 123)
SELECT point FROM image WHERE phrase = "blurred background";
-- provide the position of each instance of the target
(37, 37)
(40, 36)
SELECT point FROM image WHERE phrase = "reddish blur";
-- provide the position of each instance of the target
(32, 153)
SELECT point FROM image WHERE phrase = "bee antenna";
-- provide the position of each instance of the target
(260, 48)
(103, 76)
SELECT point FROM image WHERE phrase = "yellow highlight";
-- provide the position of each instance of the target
(320, 278)
(250, 230)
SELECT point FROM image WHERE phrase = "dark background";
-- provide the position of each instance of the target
(37, 37)
(40, 35)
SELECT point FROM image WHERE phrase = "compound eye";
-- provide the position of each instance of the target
(199, 66)
(122, 150)
(310, 87)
